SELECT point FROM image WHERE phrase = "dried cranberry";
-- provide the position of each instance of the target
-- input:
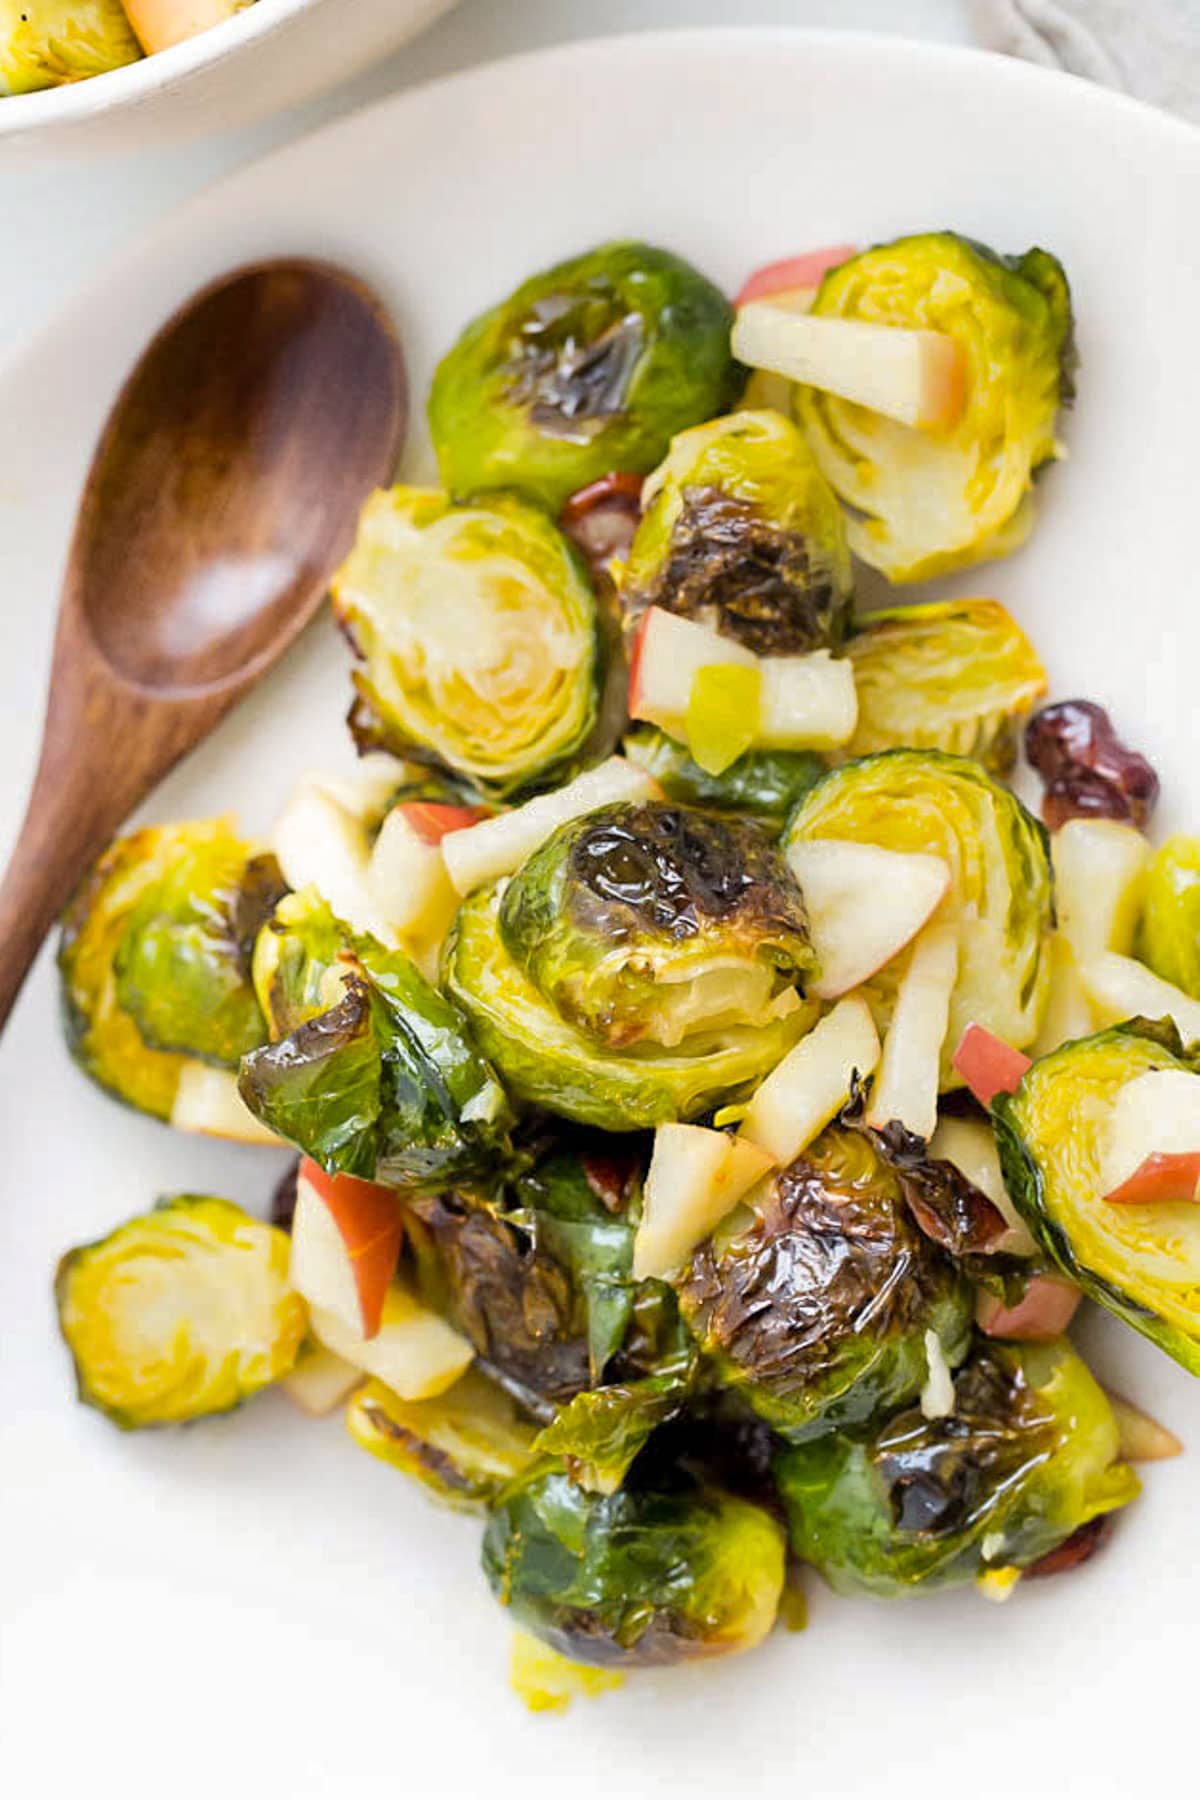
(1079, 1548)
(283, 1199)
(610, 1170)
(602, 517)
(1089, 773)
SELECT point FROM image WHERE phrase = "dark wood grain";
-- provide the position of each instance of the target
(223, 493)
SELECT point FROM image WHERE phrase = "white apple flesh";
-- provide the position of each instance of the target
(414, 1352)
(320, 1381)
(906, 1088)
(1155, 1114)
(1121, 988)
(1099, 865)
(864, 905)
(696, 1177)
(812, 1083)
(207, 1101)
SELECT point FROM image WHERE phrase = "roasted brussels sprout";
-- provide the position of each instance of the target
(44, 43)
(591, 366)
(476, 627)
(155, 958)
(997, 853)
(955, 675)
(1057, 1136)
(741, 533)
(599, 1434)
(650, 924)
(634, 1579)
(763, 784)
(1169, 934)
(816, 1299)
(545, 1061)
(924, 502)
(1027, 1456)
(463, 1446)
(182, 1312)
(385, 1084)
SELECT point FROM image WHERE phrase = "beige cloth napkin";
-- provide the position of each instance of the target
(1146, 47)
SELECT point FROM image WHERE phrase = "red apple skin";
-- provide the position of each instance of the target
(1044, 1310)
(790, 272)
(635, 659)
(431, 820)
(988, 1065)
(1159, 1180)
(368, 1218)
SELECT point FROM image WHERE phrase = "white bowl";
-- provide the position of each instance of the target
(272, 55)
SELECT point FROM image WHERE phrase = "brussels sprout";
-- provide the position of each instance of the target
(477, 631)
(463, 1447)
(741, 533)
(591, 366)
(1169, 935)
(385, 1084)
(301, 963)
(650, 924)
(155, 954)
(182, 1312)
(955, 675)
(815, 1298)
(997, 853)
(634, 1579)
(545, 1061)
(1140, 1262)
(925, 502)
(599, 1434)
(1028, 1455)
(44, 43)
(762, 784)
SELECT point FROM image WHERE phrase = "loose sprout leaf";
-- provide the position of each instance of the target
(599, 1434)
(463, 1446)
(763, 784)
(45, 43)
(1168, 938)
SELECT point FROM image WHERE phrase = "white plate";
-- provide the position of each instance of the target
(253, 1606)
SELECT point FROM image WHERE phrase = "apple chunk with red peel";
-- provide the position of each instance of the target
(414, 1352)
(793, 275)
(1044, 1310)
(346, 1238)
(1152, 1154)
(864, 905)
(407, 876)
(696, 1176)
(987, 1065)
(322, 843)
(812, 1083)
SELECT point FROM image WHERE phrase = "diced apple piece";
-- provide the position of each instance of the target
(668, 654)
(1099, 865)
(812, 1083)
(1121, 988)
(1068, 1011)
(366, 789)
(1142, 1439)
(320, 843)
(971, 1146)
(1044, 1310)
(906, 1087)
(918, 378)
(346, 1236)
(696, 1176)
(414, 1352)
(319, 1381)
(1161, 1180)
(937, 1395)
(207, 1101)
(497, 846)
(1152, 1151)
(807, 702)
(864, 905)
(793, 275)
(988, 1065)
(407, 876)
(157, 24)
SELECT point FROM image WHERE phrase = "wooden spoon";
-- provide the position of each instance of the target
(222, 495)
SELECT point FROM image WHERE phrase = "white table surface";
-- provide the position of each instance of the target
(61, 218)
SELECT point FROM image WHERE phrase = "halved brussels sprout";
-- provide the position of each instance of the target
(588, 367)
(1141, 1262)
(1028, 1455)
(1169, 933)
(155, 958)
(385, 1084)
(634, 1579)
(179, 1313)
(476, 627)
(1001, 893)
(545, 1061)
(815, 1298)
(742, 533)
(463, 1447)
(957, 675)
(598, 1435)
(646, 925)
(44, 43)
(925, 502)
(762, 784)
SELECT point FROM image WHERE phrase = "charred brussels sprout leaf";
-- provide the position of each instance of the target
(957, 675)
(155, 958)
(762, 784)
(463, 1447)
(386, 1084)
(44, 43)
(1028, 1455)
(742, 533)
(546, 1061)
(180, 1313)
(652, 924)
(598, 1435)
(814, 1300)
(1141, 1262)
(926, 502)
(634, 1579)
(1001, 891)
(1169, 937)
(592, 366)
(476, 626)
